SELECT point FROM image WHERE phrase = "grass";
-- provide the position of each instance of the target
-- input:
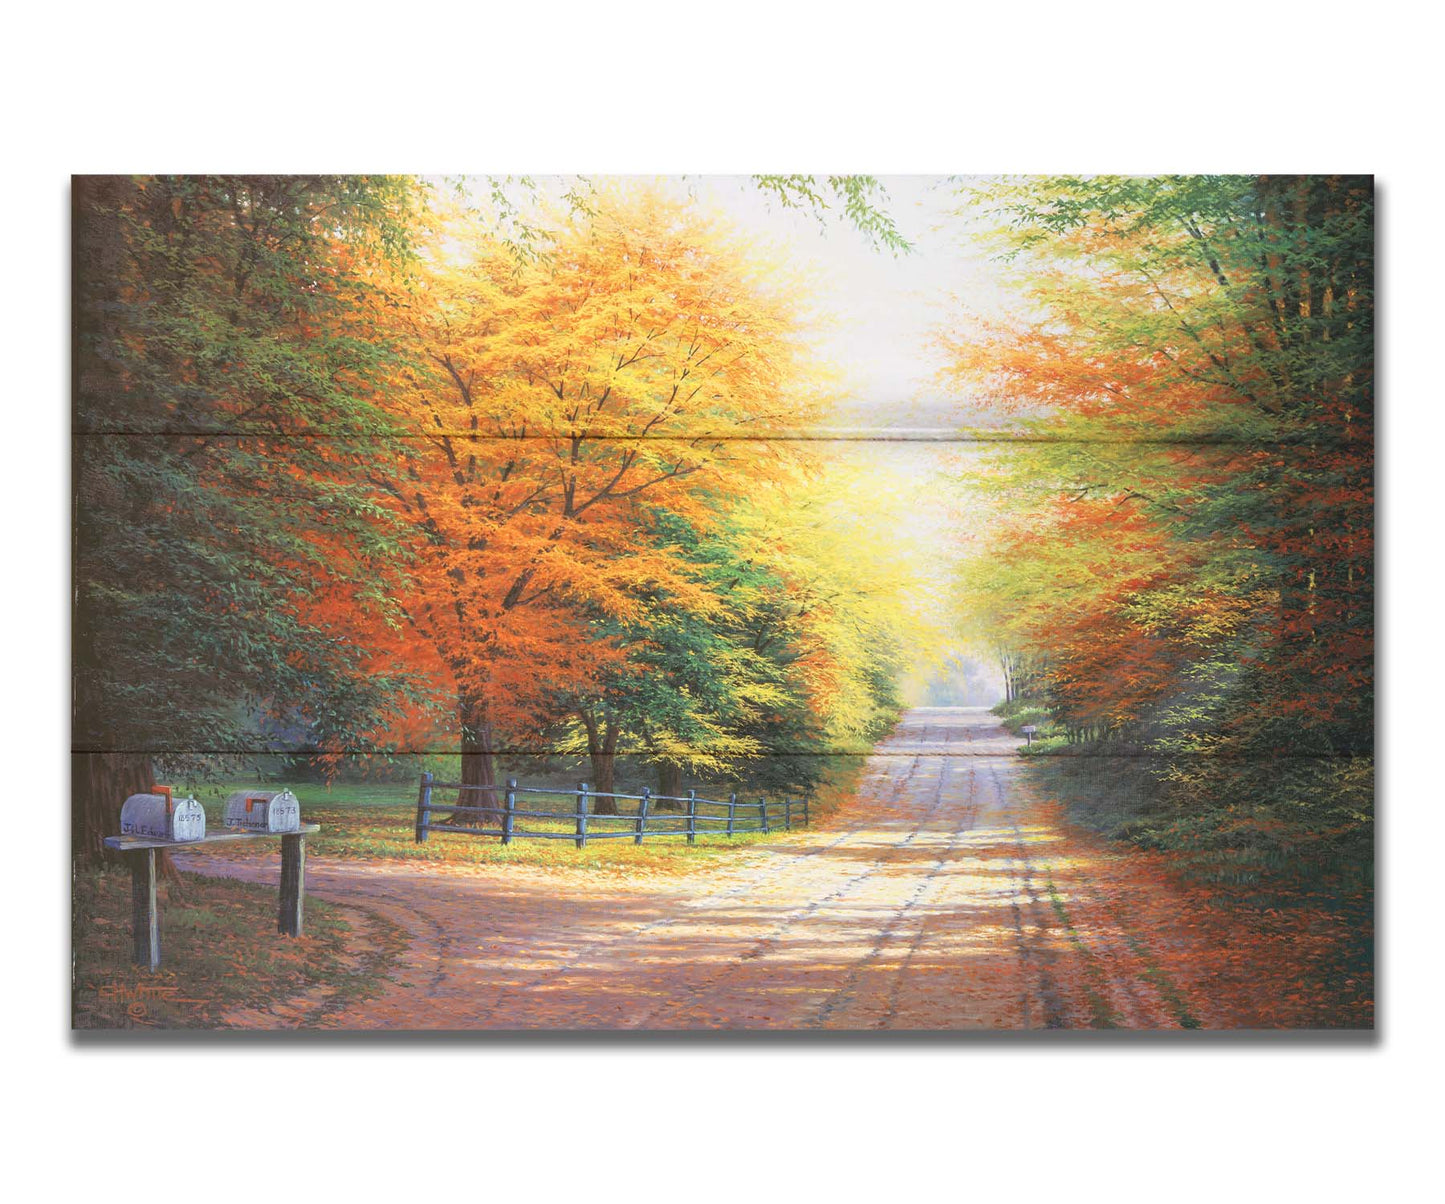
(1019, 713)
(1028, 716)
(220, 953)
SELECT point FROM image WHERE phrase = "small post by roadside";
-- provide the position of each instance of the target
(692, 817)
(1028, 730)
(732, 811)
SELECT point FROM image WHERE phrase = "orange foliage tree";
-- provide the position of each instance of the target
(563, 400)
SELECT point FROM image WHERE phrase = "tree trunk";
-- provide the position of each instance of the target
(601, 751)
(669, 782)
(603, 765)
(1008, 681)
(99, 784)
(479, 763)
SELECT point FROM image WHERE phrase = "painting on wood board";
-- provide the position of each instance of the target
(723, 603)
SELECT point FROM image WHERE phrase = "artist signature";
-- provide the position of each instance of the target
(138, 998)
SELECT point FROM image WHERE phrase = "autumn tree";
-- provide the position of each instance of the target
(221, 325)
(1184, 541)
(798, 651)
(564, 400)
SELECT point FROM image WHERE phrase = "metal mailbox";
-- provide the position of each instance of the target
(263, 811)
(158, 816)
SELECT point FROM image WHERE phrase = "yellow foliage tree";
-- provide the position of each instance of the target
(562, 400)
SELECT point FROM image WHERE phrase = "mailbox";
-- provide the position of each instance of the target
(263, 811)
(158, 816)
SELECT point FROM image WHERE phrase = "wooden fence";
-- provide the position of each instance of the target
(635, 819)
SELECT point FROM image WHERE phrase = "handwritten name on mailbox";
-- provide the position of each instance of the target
(158, 816)
(263, 811)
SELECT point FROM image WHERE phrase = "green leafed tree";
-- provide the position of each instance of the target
(226, 365)
(1184, 544)
(724, 688)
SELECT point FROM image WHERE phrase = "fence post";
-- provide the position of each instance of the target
(806, 821)
(508, 815)
(581, 841)
(642, 814)
(423, 809)
(787, 815)
(763, 814)
(732, 810)
(692, 817)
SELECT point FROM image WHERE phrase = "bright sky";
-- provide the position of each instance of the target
(880, 310)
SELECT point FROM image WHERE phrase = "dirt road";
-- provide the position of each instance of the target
(944, 897)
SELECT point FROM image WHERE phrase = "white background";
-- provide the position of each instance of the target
(887, 88)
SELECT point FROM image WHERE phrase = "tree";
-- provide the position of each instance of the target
(639, 366)
(862, 200)
(704, 690)
(220, 324)
(795, 656)
(1185, 541)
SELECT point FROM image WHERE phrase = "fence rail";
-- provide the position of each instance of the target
(699, 817)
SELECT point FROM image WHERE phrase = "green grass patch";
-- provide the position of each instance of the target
(1019, 713)
(1029, 716)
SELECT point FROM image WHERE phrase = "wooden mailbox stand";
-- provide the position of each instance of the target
(140, 855)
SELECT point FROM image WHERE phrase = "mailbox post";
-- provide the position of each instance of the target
(293, 885)
(145, 920)
(140, 855)
(1028, 730)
